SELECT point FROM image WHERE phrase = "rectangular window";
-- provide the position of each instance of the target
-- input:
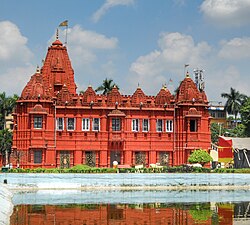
(213, 114)
(193, 125)
(71, 124)
(159, 125)
(59, 124)
(135, 125)
(90, 158)
(116, 124)
(140, 158)
(145, 125)
(221, 114)
(85, 124)
(169, 126)
(96, 124)
(38, 156)
(38, 122)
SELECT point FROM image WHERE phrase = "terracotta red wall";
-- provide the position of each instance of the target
(102, 215)
(51, 93)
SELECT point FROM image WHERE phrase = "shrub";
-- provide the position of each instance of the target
(200, 156)
(174, 169)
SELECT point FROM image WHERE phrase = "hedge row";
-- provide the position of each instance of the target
(70, 170)
(225, 170)
(87, 169)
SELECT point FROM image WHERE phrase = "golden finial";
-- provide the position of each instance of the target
(187, 75)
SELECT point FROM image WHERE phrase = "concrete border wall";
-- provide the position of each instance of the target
(6, 205)
(70, 181)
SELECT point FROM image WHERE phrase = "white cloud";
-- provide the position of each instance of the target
(175, 50)
(14, 79)
(227, 12)
(221, 79)
(84, 45)
(146, 64)
(235, 49)
(224, 66)
(109, 68)
(15, 57)
(108, 5)
(90, 39)
(12, 44)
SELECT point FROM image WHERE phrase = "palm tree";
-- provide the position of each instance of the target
(7, 105)
(106, 86)
(234, 102)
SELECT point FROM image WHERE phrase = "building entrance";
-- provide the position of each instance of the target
(115, 156)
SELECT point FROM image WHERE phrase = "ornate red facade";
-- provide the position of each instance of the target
(122, 214)
(56, 127)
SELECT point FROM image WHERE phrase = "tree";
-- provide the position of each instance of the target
(200, 156)
(234, 102)
(245, 115)
(216, 131)
(106, 86)
(7, 105)
(5, 144)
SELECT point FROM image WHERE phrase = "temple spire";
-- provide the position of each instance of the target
(57, 34)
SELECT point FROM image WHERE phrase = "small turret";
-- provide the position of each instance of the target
(188, 92)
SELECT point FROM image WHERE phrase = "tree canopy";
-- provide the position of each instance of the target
(216, 131)
(234, 101)
(5, 143)
(106, 86)
(7, 104)
(245, 115)
(200, 156)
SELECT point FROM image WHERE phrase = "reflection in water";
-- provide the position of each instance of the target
(133, 214)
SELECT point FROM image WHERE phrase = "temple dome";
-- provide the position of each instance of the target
(57, 42)
(35, 87)
(89, 95)
(188, 92)
(114, 97)
(164, 96)
(138, 97)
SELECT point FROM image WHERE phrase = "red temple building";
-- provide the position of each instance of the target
(124, 214)
(56, 127)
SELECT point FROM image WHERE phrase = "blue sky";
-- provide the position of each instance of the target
(131, 41)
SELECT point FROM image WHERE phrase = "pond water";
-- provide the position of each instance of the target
(95, 199)
(46, 207)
